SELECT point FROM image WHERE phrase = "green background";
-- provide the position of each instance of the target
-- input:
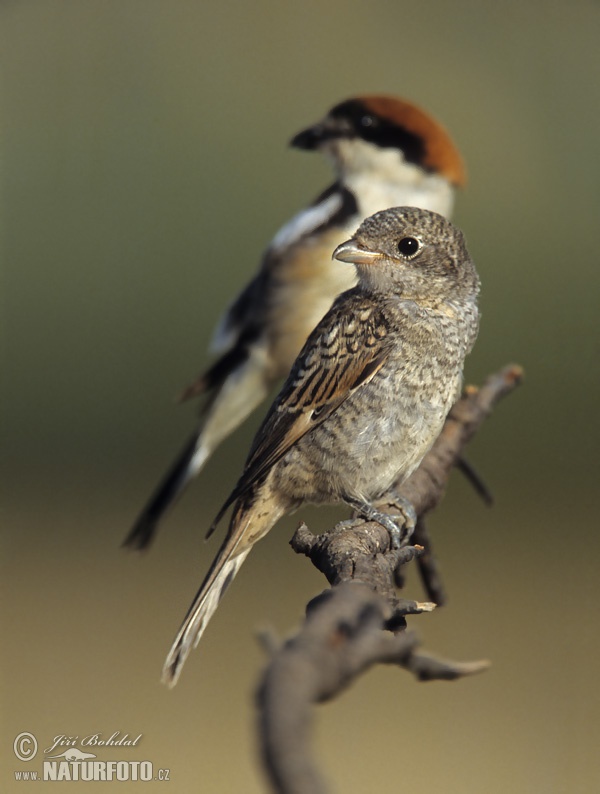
(144, 170)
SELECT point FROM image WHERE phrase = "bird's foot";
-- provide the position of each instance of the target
(400, 526)
(408, 514)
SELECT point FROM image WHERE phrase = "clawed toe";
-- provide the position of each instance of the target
(400, 527)
(407, 511)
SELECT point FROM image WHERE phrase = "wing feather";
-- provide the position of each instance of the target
(343, 353)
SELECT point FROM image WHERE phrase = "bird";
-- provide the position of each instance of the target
(365, 399)
(385, 152)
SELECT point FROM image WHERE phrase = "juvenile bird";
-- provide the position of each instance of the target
(365, 399)
(385, 152)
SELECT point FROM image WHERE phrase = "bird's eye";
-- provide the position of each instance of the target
(409, 246)
(368, 121)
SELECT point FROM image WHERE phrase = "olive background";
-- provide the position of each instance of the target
(144, 170)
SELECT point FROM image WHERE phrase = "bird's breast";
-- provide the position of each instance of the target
(305, 284)
(378, 436)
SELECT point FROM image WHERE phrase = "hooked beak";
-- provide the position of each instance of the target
(355, 254)
(311, 137)
(317, 134)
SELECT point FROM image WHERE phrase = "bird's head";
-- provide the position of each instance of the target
(414, 253)
(378, 132)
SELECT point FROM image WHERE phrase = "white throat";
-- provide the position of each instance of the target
(381, 178)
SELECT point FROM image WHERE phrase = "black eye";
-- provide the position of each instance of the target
(368, 121)
(409, 246)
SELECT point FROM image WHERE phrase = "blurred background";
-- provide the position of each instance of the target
(145, 168)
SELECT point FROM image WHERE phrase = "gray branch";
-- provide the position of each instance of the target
(360, 620)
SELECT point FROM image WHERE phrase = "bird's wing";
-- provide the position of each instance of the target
(243, 322)
(239, 328)
(333, 207)
(241, 315)
(344, 352)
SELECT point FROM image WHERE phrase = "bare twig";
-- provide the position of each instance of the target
(342, 637)
(360, 621)
(428, 567)
(476, 481)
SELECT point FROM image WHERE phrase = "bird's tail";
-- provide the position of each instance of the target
(186, 466)
(236, 397)
(245, 529)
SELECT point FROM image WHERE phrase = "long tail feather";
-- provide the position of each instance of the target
(252, 518)
(212, 590)
(187, 464)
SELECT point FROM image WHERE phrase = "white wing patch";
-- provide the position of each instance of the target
(305, 222)
(225, 334)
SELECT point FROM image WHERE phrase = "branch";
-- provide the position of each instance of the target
(360, 621)
(341, 638)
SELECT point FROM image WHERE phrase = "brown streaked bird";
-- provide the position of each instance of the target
(385, 152)
(366, 397)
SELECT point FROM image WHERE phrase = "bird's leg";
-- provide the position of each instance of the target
(400, 527)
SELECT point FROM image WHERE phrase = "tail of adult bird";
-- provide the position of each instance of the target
(246, 528)
(234, 392)
(186, 466)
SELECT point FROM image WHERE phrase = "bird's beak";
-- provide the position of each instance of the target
(356, 254)
(310, 138)
(328, 129)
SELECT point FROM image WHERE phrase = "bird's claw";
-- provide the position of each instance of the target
(404, 522)
(400, 526)
(395, 526)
